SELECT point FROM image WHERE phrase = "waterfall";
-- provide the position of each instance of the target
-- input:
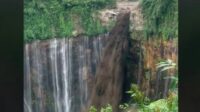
(27, 82)
(57, 72)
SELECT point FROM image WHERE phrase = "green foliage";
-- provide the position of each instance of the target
(169, 104)
(160, 18)
(137, 95)
(48, 19)
(124, 106)
(144, 104)
(156, 106)
(92, 25)
(162, 105)
(108, 108)
(111, 24)
(173, 101)
(174, 82)
(92, 109)
(165, 65)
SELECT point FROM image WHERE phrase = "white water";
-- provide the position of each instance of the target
(57, 72)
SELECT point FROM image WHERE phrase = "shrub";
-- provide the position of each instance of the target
(107, 108)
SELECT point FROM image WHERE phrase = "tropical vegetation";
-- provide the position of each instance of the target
(141, 103)
(45, 19)
(160, 18)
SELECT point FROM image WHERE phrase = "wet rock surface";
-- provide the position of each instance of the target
(72, 74)
(57, 73)
(109, 78)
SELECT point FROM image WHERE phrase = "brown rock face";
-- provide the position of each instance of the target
(108, 85)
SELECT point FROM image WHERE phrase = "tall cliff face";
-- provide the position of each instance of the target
(109, 78)
(151, 80)
(142, 59)
(63, 75)
(70, 75)
(58, 72)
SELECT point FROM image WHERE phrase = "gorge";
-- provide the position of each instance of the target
(71, 74)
